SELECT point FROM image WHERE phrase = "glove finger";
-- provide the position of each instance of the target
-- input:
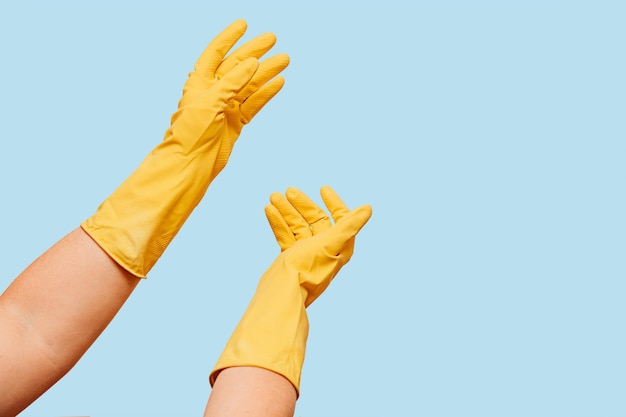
(341, 235)
(282, 232)
(268, 69)
(232, 83)
(311, 212)
(256, 48)
(298, 225)
(334, 203)
(258, 100)
(217, 49)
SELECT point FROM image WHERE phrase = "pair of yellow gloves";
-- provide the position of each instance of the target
(139, 220)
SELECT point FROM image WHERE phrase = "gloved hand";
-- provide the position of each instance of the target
(273, 331)
(139, 220)
(212, 66)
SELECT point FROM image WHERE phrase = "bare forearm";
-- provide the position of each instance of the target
(52, 313)
(251, 391)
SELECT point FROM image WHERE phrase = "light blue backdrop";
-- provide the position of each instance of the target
(488, 137)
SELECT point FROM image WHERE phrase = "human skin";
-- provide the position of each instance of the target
(273, 331)
(250, 391)
(55, 310)
(52, 313)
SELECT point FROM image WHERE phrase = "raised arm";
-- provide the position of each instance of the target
(56, 308)
(258, 373)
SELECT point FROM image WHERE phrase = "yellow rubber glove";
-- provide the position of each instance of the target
(273, 331)
(139, 220)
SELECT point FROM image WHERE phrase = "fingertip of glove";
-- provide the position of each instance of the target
(251, 62)
(268, 38)
(292, 192)
(275, 196)
(283, 59)
(364, 213)
(278, 82)
(248, 67)
(272, 88)
(366, 209)
(239, 24)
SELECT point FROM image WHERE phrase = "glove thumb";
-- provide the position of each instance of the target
(233, 82)
(347, 228)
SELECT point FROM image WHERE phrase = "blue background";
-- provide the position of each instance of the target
(488, 136)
